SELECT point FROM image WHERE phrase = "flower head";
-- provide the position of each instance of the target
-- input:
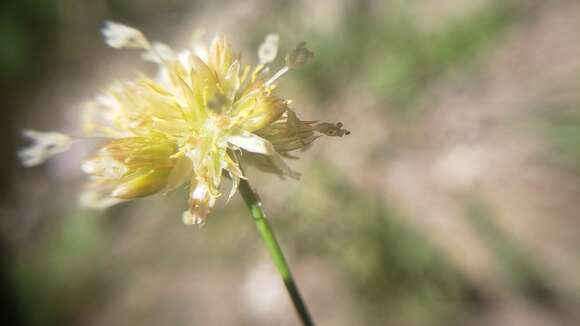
(200, 119)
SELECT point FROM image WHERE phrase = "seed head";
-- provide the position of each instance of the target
(202, 118)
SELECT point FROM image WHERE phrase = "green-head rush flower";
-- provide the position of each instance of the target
(203, 116)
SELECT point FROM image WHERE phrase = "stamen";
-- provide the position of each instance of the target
(276, 76)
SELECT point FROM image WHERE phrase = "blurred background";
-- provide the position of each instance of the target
(455, 200)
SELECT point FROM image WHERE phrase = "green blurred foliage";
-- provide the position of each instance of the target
(26, 28)
(517, 265)
(30, 30)
(396, 275)
(391, 54)
(562, 130)
(58, 276)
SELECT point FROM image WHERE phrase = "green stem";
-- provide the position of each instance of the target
(255, 206)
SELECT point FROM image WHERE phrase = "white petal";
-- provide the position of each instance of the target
(108, 101)
(106, 167)
(158, 53)
(31, 156)
(199, 192)
(44, 146)
(233, 70)
(190, 217)
(97, 200)
(201, 204)
(122, 36)
(184, 58)
(232, 79)
(252, 143)
(179, 174)
(99, 119)
(235, 184)
(268, 50)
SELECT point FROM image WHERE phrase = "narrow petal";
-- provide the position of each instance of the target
(105, 167)
(159, 53)
(97, 200)
(252, 143)
(235, 184)
(235, 173)
(122, 36)
(201, 204)
(232, 80)
(179, 174)
(142, 185)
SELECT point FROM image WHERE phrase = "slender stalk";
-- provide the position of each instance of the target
(255, 206)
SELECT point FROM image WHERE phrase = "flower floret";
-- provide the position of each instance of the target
(201, 119)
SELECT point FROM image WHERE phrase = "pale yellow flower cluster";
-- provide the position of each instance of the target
(200, 119)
